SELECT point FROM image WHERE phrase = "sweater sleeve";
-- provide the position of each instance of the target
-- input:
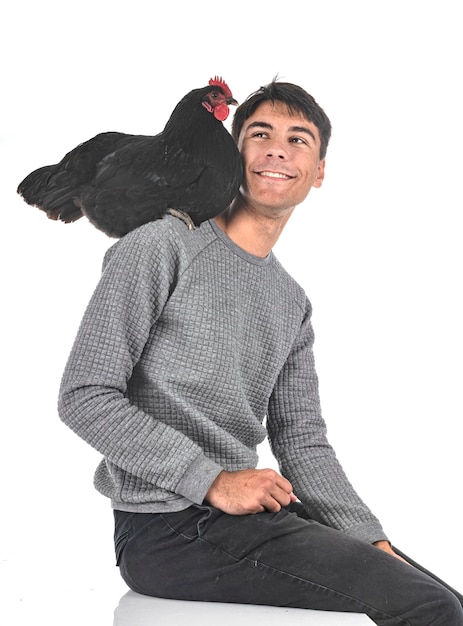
(297, 434)
(139, 272)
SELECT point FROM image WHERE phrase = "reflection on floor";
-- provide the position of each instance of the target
(138, 610)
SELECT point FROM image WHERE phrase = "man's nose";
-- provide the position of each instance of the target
(277, 149)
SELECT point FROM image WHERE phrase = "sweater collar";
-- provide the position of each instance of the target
(231, 245)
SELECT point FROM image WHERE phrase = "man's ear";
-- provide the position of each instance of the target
(320, 174)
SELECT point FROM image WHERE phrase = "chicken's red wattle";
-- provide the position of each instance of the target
(221, 112)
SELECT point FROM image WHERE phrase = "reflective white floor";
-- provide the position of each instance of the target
(136, 610)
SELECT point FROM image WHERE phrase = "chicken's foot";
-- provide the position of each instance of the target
(182, 216)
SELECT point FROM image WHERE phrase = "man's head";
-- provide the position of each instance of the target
(282, 134)
(296, 99)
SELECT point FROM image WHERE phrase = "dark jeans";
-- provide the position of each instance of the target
(280, 559)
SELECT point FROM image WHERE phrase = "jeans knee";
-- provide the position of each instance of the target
(452, 608)
(441, 609)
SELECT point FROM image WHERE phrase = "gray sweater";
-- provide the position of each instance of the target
(190, 352)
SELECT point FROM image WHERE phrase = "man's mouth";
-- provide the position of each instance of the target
(279, 175)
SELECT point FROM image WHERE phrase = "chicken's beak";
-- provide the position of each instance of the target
(232, 101)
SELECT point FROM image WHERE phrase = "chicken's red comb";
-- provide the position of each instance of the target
(218, 81)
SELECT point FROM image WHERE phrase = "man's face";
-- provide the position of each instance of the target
(281, 158)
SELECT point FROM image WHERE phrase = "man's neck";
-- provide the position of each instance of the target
(250, 230)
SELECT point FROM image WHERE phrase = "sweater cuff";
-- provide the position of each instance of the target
(198, 478)
(368, 532)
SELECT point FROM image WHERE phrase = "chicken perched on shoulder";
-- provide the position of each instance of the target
(192, 169)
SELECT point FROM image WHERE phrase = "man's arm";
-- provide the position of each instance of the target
(297, 434)
(136, 282)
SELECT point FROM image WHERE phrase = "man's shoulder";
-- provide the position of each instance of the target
(167, 228)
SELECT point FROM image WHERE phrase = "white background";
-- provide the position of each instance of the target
(378, 249)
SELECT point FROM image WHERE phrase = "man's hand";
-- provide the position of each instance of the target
(386, 547)
(250, 491)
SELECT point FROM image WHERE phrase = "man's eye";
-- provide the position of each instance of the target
(297, 140)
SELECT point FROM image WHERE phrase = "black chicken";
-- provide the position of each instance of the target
(192, 169)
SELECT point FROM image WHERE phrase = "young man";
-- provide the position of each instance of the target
(190, 342)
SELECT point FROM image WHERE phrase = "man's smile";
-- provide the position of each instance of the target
(270, 174)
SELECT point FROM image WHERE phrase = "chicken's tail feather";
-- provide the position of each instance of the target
(40, 189)
(32, 187)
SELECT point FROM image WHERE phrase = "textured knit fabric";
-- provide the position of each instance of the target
(190, 352)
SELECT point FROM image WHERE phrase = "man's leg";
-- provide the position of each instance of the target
(428, 573)
(275, 559)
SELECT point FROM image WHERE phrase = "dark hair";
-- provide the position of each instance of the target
(296, 99)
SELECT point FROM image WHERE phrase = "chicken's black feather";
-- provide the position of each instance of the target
(122, 181)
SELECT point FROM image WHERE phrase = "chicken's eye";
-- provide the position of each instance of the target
(215, 94)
